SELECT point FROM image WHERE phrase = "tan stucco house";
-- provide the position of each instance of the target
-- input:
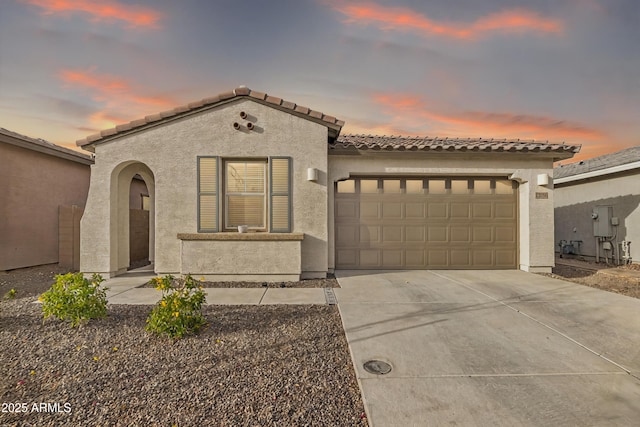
(37, 179)
(313, 200)
(597, 207)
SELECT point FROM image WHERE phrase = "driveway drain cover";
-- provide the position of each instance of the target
(377, 367)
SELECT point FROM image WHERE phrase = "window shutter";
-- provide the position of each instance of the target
(280, 194)
(207, 194)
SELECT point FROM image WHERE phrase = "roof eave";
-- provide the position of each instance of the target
(598, 173)
(351, 150)
(334, 127)
(57, 151)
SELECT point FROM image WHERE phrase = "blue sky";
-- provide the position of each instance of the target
(557, 70)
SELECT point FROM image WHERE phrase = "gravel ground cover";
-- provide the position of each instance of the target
(253, 365)
(30, 281)
(605, 279)
(330, 282)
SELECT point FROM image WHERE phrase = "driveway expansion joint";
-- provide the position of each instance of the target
(263, 295)
(562, 334)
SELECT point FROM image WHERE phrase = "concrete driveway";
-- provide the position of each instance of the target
(498, 348)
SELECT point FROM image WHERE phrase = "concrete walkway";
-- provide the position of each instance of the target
(125, 290)
(499, 348)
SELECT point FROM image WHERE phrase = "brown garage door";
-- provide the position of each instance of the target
(426, 223)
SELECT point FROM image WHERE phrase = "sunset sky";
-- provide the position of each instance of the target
(557, 70)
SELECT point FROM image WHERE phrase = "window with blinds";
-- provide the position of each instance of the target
(256, 193)
(245, 194)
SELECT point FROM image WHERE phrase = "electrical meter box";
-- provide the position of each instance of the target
(602, 221)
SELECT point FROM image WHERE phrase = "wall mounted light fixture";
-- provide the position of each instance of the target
(312, 174)
(543, 179)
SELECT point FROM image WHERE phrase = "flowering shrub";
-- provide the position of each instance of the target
(179, 312)
(74, 298)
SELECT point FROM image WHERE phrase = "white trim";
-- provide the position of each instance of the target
(600, 172)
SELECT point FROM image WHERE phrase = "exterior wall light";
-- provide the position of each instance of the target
(312, 174)
(543, 179)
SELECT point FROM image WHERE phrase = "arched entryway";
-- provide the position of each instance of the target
(127, 181)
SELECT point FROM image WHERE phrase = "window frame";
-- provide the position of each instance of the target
(220, 193)
(264, 194)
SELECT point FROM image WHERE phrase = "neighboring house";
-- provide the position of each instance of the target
(36, 179)
(609, 187)
(313, 200)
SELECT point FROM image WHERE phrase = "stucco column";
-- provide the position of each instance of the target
(535, 221)
(95, 225)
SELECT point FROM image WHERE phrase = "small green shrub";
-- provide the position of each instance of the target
(179, 312)
(11, 294)
(75, 299)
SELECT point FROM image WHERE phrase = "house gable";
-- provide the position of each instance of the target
(333, 124)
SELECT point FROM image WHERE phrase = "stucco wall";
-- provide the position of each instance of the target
(535, 245)
(32, 187)
(265, 261)
(170, 151)
(574, 203)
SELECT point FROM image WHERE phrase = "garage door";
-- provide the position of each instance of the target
(426, 223)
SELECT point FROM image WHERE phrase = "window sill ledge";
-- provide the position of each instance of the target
(242, 236)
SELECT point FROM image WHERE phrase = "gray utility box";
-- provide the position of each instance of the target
(602, 221)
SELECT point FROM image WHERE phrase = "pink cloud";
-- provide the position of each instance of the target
(406, 109)
(405, 19)
(115, 94)
(102, 10)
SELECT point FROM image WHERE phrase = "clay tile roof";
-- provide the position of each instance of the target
(334, 124)
(400, 143)
(43, 146)
(619, 158)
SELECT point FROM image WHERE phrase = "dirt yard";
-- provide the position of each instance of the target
(621, 280)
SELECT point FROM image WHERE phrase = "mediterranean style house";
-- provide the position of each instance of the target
(248, 186)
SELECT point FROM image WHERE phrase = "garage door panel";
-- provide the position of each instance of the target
(482, 210)
(438, 233)
(505, 234)
(437, 210)
(505, 210)
(414, 233)
(392, 233)
(459, 234)
(369, 234)
(483, 234)
(438, 258)
(347, 235)
(422, 223)
(414, 258)
(370, 210)
(347, 257)
(392, 210)
(505, 258)
(392, 258)
(370, 258)
(483, 258)
(459, 210)
(414, 210)
(346, 209)
(460, 258)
